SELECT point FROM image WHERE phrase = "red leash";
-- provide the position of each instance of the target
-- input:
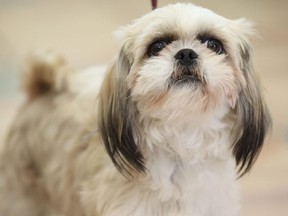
(154, 4)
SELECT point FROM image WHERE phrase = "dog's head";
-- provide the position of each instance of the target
(181, 64)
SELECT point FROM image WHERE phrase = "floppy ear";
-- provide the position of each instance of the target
(253, 118)
(117, 119)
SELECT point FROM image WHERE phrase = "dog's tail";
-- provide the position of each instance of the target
(43, 73)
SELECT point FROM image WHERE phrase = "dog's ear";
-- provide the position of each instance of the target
(253, 118)
(117, 119)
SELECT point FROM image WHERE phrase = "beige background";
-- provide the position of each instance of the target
(82, 30)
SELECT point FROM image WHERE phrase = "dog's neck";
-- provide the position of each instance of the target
(178, 158)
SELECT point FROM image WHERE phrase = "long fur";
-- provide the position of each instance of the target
(117, 122)
(140, 139)
(253, 118)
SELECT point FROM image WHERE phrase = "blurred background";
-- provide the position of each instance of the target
(82, 31)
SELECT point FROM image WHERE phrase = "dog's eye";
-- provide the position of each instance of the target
(155, 48)
(214, 45)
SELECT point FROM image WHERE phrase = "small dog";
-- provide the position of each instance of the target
(180, 115)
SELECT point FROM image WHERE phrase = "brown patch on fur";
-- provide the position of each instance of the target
(42, 74)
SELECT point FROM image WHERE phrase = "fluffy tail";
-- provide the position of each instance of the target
(43, 73)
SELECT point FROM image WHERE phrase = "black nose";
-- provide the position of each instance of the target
(186, 57)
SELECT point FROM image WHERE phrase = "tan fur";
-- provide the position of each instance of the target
(177, 144)
(43, 72)
(39, 179)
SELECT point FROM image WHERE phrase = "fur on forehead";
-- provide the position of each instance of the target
(183, 21)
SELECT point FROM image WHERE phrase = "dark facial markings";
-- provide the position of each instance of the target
(157, 45)
(210, 41)
(213, 44)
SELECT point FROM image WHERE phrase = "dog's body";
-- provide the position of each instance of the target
(36, 180)
(173, 147)
(70, 181)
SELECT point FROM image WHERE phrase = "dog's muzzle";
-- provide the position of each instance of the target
(187, 70)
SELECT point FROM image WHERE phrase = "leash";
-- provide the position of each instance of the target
(154, 4)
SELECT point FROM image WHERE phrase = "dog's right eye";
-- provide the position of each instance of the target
(155, 48)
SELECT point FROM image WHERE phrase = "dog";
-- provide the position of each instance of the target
(169, 128)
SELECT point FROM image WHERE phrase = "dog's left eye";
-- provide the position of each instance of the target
(214, 45)
(155, 48)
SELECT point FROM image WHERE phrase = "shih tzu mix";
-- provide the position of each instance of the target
(180, 115)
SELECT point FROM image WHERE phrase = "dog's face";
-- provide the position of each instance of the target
(182, 64)
(185, 59)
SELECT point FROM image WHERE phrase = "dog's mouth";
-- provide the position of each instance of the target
(186, 76)
(186, 79)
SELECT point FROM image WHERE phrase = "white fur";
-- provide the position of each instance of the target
(190, 171)
(183, 132)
